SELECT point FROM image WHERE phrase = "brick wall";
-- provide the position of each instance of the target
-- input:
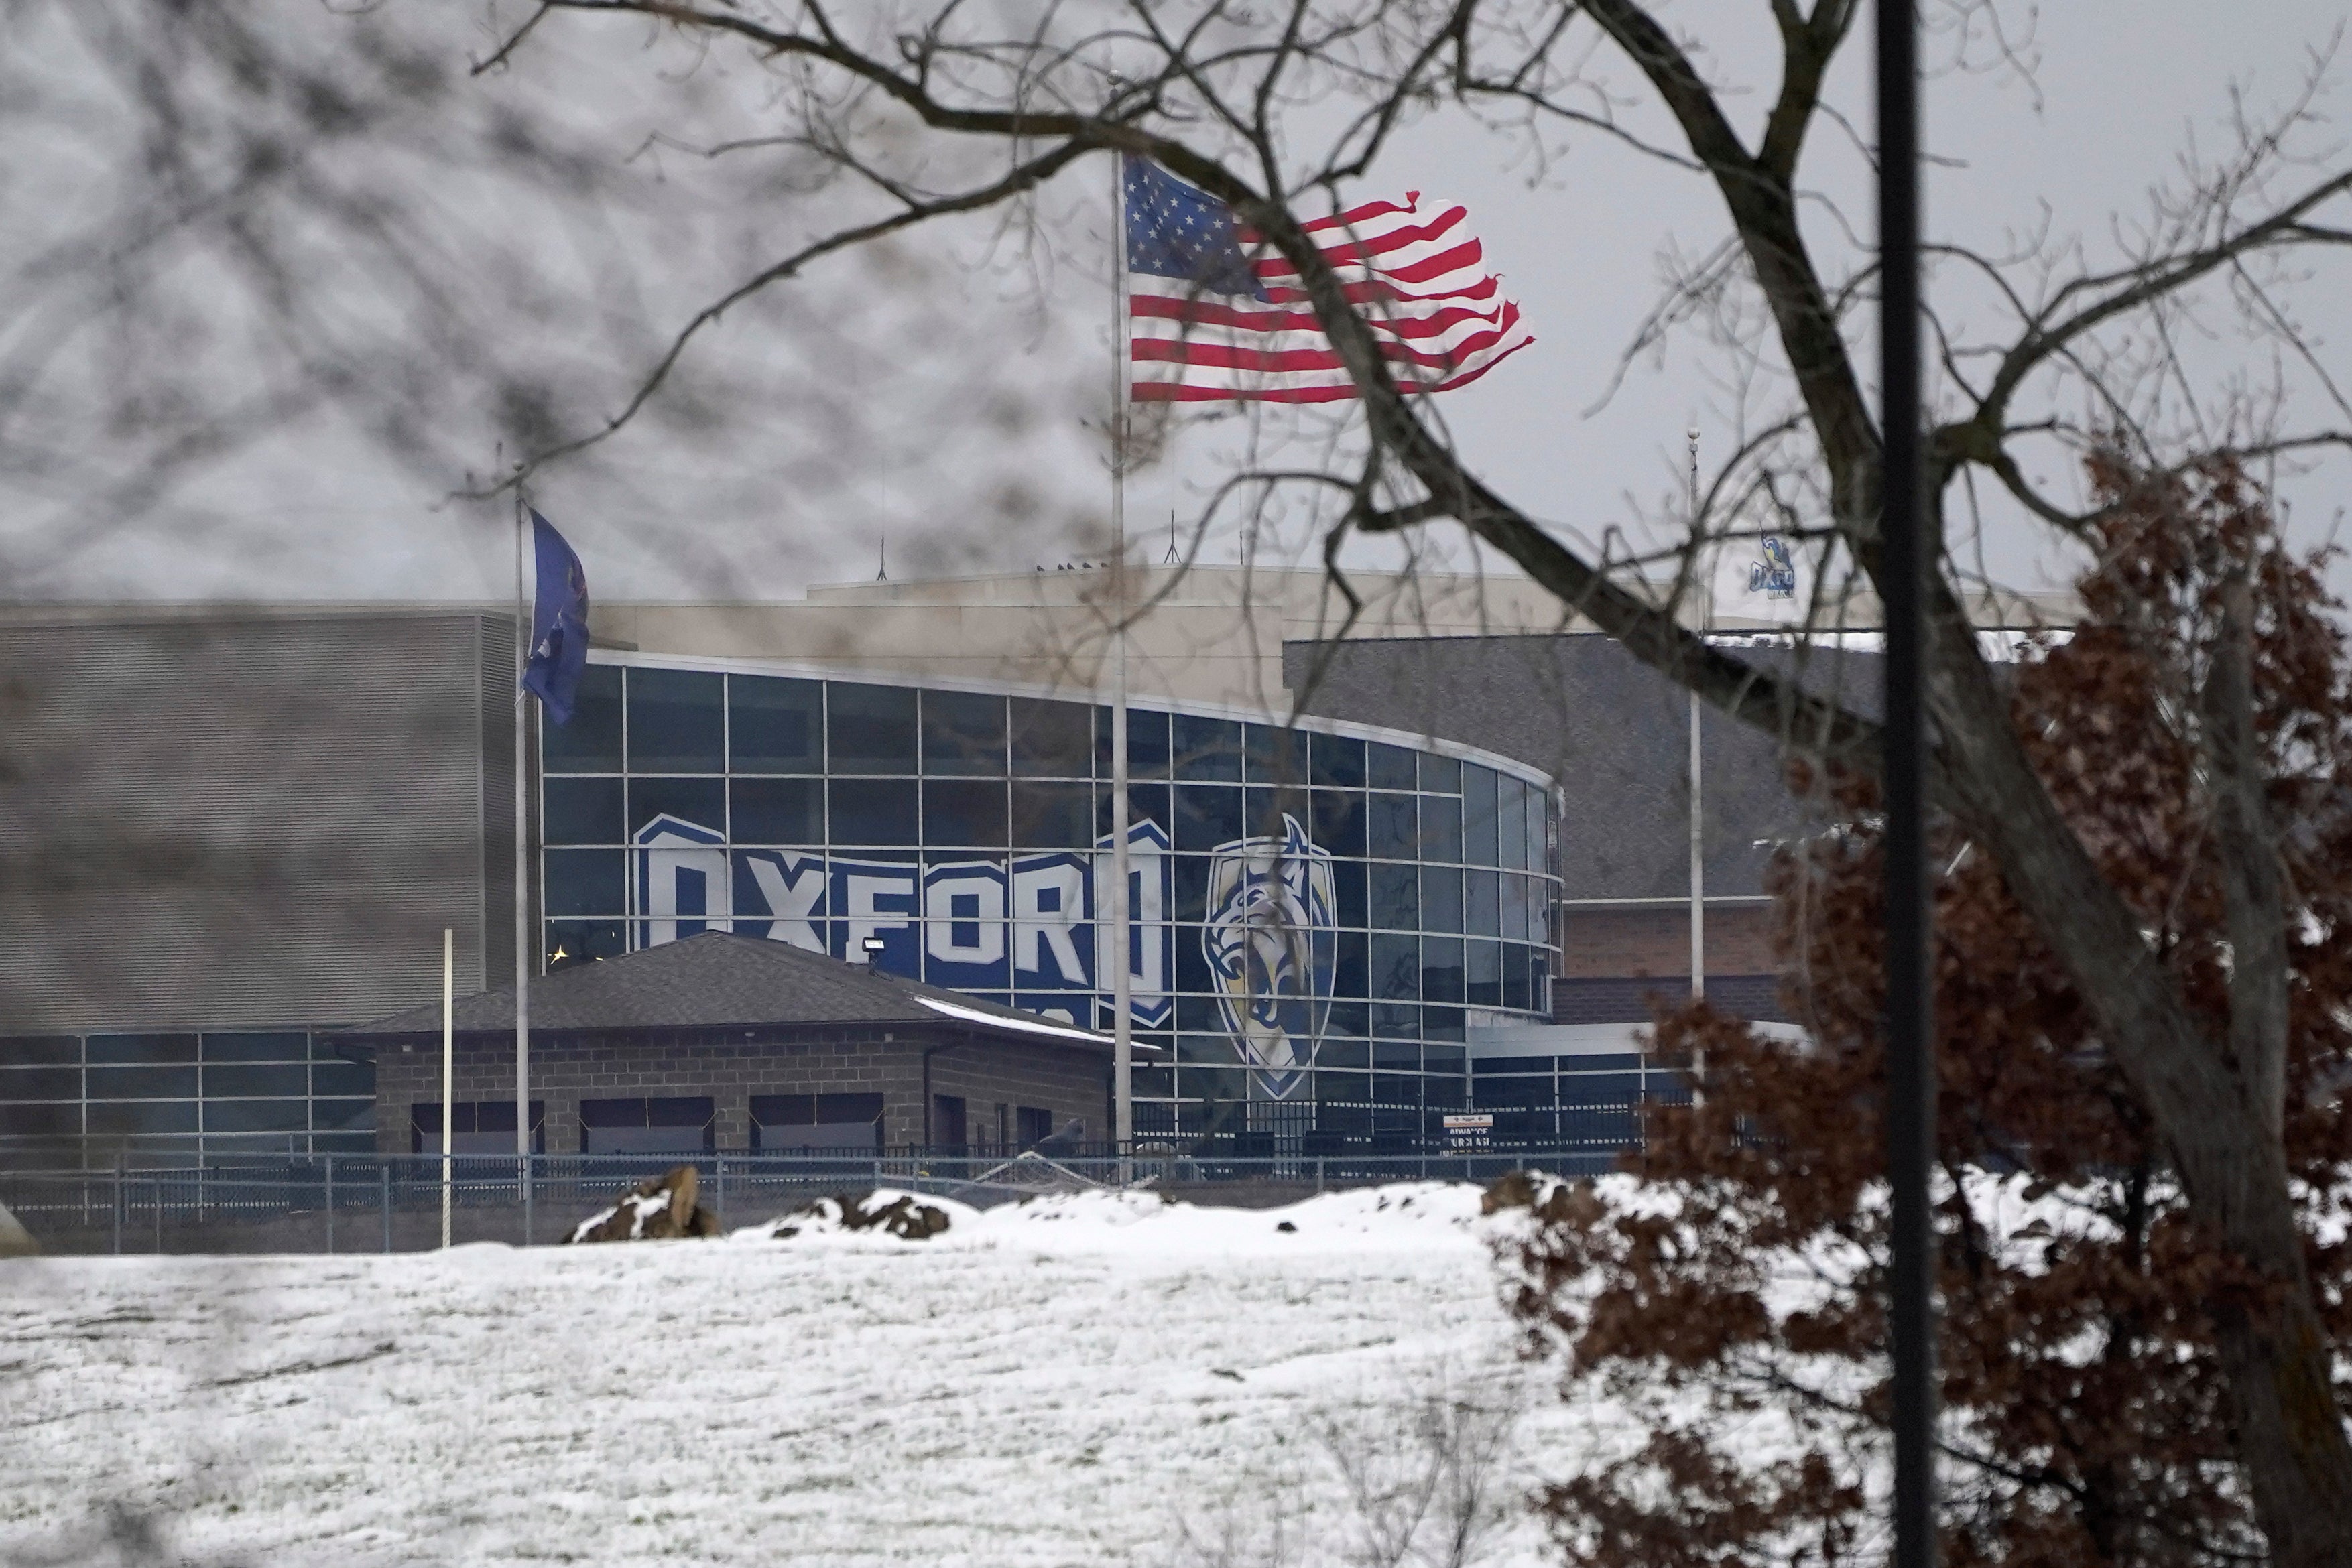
(732, 1066)
(1611, 941)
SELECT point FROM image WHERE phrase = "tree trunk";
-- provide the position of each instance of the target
(2291, 1437)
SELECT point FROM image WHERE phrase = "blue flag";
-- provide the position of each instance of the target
(559, 622)
(1174, 230)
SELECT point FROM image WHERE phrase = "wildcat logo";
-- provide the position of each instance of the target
(1271, 941)
(1775, 576)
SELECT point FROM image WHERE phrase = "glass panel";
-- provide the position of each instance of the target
(873, 810)
(341, 1078)
(964, 811)
(1484, 981)
(1351, 969)
(1394, 833)
(1478, 846)
(258, 1115)
(1396, 1020)
(1348, 887)
(775, 725)
(584, 812)
(1052, 739)
(1395, 967)
(1441, 775)
(276, 1045)
(1481, 914)
(45, 1121)
(1388, 767)
(1207, 749)
(1395, 897)
(1514, 975)
(1207, 815)
(1511, 825)
(591, 743)
(1145, 804)
(1146, 744)
(1191, 875)
(1441, 968)
(153, 1116)
(1267, 810)
(870, 729)
(1339, 822)
(1052, 816)
(677, 722)
(1441, 828)
(1515, 907)
(1440, 899)
(702, 801)
(40, 1049)
(1441, 1023)
(1538, 852)
(139, 1048)
(570, 942)
(293, 1078)
(1339, 761)
(587, 882)
(963, 735)
(776, 810)
(40, 1083)
(140, 1083)
(1275, 756)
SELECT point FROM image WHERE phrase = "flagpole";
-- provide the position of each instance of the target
(522, 943)
(1121, 914)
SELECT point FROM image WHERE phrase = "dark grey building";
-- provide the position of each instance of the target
(717, 1041)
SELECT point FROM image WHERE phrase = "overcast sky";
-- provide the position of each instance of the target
(948, 394)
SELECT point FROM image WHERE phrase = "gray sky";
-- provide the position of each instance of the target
(948, 392)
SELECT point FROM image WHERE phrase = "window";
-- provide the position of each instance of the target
(582, 812)
(963, 734)
(961, 811)
(871, 729)
(1052, 739)
(591, 743)
(775, 725)
(873, 810)
(702, 801)
(678, 1126)
(1146, 744)
(1052, 816)
(677, 722)
(1479, 825)
(783, 1122)
(475, 1126)
(1035, 1125)
(777, 810)
(948, 1122)
(1207, 749)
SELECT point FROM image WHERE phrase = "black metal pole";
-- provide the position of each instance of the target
(1910, 1032)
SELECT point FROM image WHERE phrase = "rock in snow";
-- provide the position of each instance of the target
(657, 1209)
(889, 1212)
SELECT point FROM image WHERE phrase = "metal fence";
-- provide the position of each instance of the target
(376, 1203)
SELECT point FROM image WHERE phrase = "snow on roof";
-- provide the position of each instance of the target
(1026, 1026)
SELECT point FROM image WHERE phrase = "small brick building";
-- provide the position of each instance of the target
(729, 1042)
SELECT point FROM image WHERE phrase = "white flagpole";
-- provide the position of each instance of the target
(449, 1068)
(1122, 899)
(523, 946)
(1698, 814)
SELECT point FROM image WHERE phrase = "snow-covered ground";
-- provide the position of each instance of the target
(1090, 1381)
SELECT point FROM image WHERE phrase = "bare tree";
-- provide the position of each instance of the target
(1273, 109)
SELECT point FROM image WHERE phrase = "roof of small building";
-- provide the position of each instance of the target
(719, 982)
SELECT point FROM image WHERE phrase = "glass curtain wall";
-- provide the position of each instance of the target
(1316, 913)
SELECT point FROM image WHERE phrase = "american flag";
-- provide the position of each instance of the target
(1214, 316)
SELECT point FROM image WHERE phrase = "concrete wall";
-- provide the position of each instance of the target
(730, 1068)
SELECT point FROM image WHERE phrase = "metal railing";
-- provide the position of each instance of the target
(385, 1203)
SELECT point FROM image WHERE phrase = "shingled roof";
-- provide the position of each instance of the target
(719, 981)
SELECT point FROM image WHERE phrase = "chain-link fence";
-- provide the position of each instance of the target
(374, 1203)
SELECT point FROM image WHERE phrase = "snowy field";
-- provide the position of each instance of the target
(1083, 1381)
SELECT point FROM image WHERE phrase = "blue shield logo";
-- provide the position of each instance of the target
(1271, 943)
